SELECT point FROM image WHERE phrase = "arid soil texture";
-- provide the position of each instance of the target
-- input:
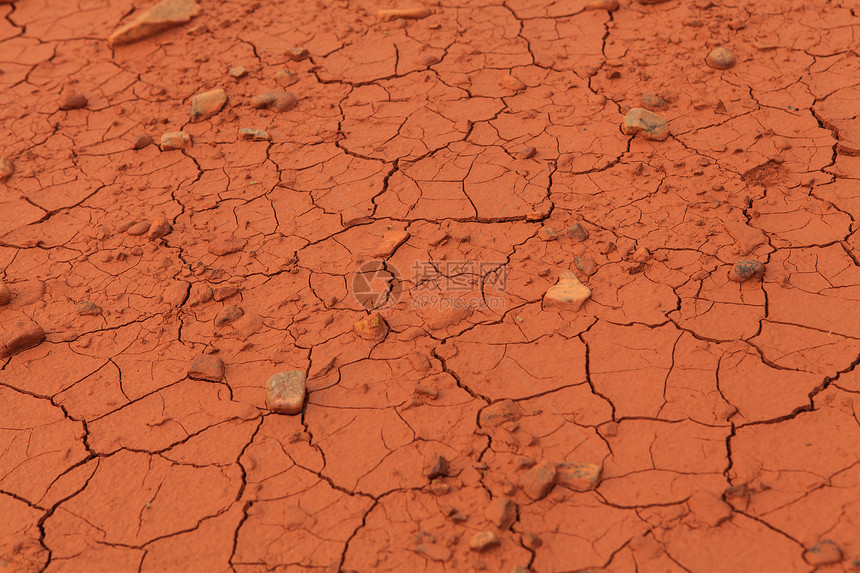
(499, 285)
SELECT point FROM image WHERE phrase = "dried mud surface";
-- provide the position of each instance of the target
(723, 414)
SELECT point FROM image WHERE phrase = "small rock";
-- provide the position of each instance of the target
(709, 508)
(641, 255)
(746, 269)
(499, 413)
(207, 367)
(502, 511)
(72, 100)
(237, 72)
(205, 105)
(200, 293)
(21, 336)
(226, 246)
(158, 228)
(439, 487)
(285, 78)
(389, 243)
(137, 229)
(547, 234)
(567, 294)
(825, 552)
(483, 541)
(512, 83)
(579, 476)
(141, 141)
(433, 551)
(285, 392)
(277, 100)
(429, 60)
(649, 124)
(437, 466)
(87, 308)
(653, 102)
(577, 233)
(5, 295)
(224, 292)
(372, 327)
(528, 152)
(167, 14)
(175, 140)
(539, 481)
(297, 54)
(250, 134)
(6, 168)
(586, 265)
(176, 293)
(228, 314)
(608, 5)
(720, 58)
(405, 13)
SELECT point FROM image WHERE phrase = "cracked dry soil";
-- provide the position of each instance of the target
(689, 416)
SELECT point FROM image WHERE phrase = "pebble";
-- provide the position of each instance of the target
(226, 246)
(579, 476)
(228, 314)
(207, 367)
(176, 293)
(436, 467)
(237, 72)
(499, 413)
(21, 336)
(389, 243)
(137, 229)
(608, 5)
(251, 134)
(297, 54)
(285, 78)
(720, 58)
(512, 83)
(539, 481)
(277, 100)
(6, 168)
(653, 102)
(502, 512)
(586, 265)
(5, 295)
(72, 100)
(205, 105)
(641, 255)
(372, 327)
(746, 269)
(483, 541)
(175, 140)
(547, 234)
(433, 551)
(224, 292)
(649, 124)
(141, 141)
(167, 14)
(577, 233)
(158, 228)
(405, 13)
(285, 392)
(567, 294)
(88, 308)
(825, 552)
(528, 152)
(200, 293)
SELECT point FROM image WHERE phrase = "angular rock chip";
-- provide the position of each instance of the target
(250, 134)
(483, 541)
(647, 123)
(437, 466)
(539, 481)
(141, 141)
(228, 314)
(567, 294)
(207, 367)
(237, 72)
(158, 228)
(277, 100)
(21, 336)
(579, 476)
(285, 392)
(167, 14)
(371, 327)
(205, 105)
(512, 83)
(88, 308)
(175, 140)
(499, 413)
(389, 243)
(6, 168)
(72, 100)
(746, 269)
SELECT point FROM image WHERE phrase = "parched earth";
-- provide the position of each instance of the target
(533, 335)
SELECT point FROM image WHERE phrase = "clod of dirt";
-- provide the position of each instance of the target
(286, 391)
(483, 541)
(502, 512)
(406, 13)
(226, 246)
(539, 480)
(158, 228)
(371, 327)
(709, 509)
(297, 54)
(586, 265)
(207, 367)
(653, 102)
(138, 229)
(640, 255)
(608, 5)
(547, 234)
(200, 293)
(162, 16)
(577, 233)
(5, 295)
(88, 308)
(825, 552)
(579, 476)
(528, 152)
(277, 100)
(649, 124)
(175, 140)
(512, 83)
(436, 467)
(567, 294)
(21, 336)
(250, 134)
(70, 100)
(228, 314)
(720, 58)
(746, 269)
(433, 551)
(6, 168)
(531, 541)
(389, 243)
(237, 72)
(141, 141)
(224, 292)
(205, 105)
(499, 413)
(285, 78)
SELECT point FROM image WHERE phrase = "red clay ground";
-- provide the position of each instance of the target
(724, 415)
